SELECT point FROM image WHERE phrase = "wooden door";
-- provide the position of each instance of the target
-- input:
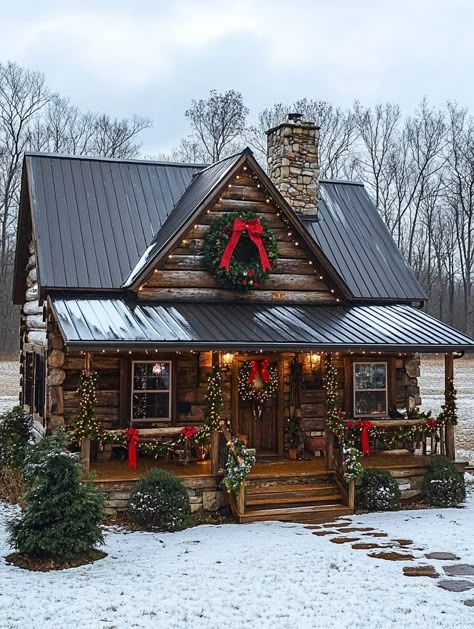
(262, 432)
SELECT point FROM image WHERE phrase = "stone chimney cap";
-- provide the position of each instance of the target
(295, 117)
(294, 120)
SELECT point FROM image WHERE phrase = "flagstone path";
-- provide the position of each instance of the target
(389, 550)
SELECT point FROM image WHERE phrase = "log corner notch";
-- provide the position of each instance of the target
(86, 442)
(448, 378)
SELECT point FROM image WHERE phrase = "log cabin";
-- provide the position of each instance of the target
(283, 291)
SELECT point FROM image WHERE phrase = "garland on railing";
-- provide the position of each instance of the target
(353, 434)
(88, 426)
(240, 461)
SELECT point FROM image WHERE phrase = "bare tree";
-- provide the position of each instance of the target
(32, 118)
(217, 123)
(22, 96)
(63, 128)
(460, 197)
(337, 133)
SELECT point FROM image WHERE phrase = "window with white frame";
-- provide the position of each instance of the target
(151, 390)
(370, 389)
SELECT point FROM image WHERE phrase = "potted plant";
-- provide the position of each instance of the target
(292, 431)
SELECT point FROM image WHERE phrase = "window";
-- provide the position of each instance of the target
(151, 386)
(39, 385)
(370, 389)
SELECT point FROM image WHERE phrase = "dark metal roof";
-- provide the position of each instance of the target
(355, 240)
(100, 223)
(113, 322)
(93, 218)
(198, 191)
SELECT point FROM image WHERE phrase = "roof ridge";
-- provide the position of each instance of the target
(115, 160)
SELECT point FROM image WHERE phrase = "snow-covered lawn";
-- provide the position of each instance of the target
(259, 575)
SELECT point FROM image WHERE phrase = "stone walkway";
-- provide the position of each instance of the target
(370, 539)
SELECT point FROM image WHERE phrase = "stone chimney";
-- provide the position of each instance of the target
(293, 163)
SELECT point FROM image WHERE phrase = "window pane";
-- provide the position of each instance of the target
(370, 376)
(151, 406)
(151, 376)
(370, 403)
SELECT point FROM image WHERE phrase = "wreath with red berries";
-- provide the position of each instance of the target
(239, 250)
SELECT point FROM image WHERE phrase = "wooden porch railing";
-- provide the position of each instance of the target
(236, 501)
(334, 452)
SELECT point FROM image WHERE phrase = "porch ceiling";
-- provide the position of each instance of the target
(101, 323)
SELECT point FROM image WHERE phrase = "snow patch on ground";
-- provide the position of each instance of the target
(259, 575)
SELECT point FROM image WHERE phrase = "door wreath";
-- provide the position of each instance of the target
(257, 383)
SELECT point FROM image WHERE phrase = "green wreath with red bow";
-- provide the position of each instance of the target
(257, 383)
(239, 250)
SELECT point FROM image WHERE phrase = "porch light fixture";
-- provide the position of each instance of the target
(227, 359)
(315, 361)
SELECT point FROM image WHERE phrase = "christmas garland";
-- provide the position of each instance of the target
(229, 233)
(249, 371)
(88, 426)
(240, 461)
(353, 434)
(449, 413)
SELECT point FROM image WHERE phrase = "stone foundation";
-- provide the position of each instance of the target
(204, 495)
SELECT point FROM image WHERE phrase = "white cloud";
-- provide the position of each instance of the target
(152, 56)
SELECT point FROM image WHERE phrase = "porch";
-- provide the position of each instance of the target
(280, 490)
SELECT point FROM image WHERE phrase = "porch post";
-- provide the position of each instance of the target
(86, 442)
(448, 377)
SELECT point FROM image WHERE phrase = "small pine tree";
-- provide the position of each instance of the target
(62, 515)
(15, 433)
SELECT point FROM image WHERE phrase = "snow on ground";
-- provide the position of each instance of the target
(9, 381)
(259, 575)
(432, 397)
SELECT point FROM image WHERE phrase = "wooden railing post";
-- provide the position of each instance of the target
(448, 377)
(351, 494)
(215, 452)
(241, 499)
(329, 449)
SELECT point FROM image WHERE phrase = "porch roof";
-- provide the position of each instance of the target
(101, 323)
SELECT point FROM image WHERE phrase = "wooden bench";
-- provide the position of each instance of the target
(151, 434)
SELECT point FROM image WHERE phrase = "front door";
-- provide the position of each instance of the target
(262, 431)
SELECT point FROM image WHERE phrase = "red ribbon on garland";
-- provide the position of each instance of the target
(364, 437)
(259, 366)
(133, 438)
(188, 432)
(254, 230)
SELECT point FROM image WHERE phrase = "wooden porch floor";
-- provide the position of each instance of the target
(113, 471)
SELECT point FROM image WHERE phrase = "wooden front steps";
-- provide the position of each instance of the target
(291, 497)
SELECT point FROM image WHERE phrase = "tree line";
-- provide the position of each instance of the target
(418, 168)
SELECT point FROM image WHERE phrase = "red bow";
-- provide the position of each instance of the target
(259, 366)
(364, 437)
(431, 423)
(189, 431)
(133, 438)
(254, 230)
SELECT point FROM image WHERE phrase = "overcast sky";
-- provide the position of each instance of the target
(152, 57)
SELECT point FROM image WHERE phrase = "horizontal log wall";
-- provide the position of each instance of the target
(295, 276)
(191, 371)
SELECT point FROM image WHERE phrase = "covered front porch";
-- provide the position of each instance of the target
(188, 384)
